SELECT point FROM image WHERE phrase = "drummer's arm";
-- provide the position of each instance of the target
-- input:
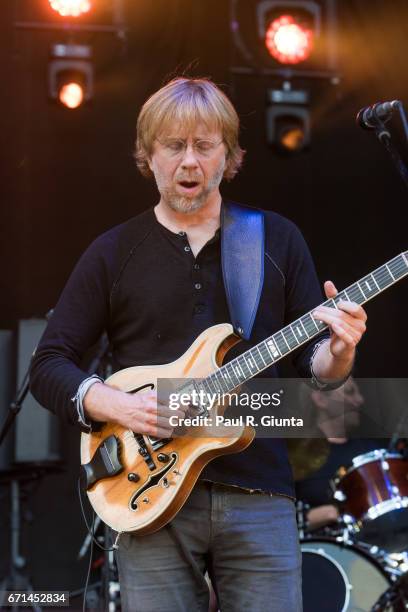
(321, 516)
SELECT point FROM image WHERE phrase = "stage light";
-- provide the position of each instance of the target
(290, 31)
(71, 95)
(291, 136)
(71, 8)
(288, 120)
(70, 75)
(289, 41)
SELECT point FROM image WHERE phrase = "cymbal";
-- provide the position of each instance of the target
(307, 455)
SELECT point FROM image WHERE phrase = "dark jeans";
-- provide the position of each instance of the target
(247, 542)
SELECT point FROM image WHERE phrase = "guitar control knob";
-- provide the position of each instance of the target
(133, 477)
(163, 458)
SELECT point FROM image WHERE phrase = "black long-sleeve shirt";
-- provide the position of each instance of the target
(142, 284)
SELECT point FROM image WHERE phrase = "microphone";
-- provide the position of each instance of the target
(370, 117)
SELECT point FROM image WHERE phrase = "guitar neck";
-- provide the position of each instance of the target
(272, 349)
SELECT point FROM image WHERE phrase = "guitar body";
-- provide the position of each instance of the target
(152, 497)
(138, 484)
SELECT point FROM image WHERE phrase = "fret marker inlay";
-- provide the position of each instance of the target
(274, 351)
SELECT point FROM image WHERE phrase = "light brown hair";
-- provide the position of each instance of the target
(188, 101)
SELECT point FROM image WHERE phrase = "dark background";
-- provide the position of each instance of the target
(68, 176)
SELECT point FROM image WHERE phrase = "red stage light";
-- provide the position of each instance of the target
(71, 95)
(71, 8)
(288, 41)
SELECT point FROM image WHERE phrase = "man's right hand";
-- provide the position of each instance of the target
(140, 412)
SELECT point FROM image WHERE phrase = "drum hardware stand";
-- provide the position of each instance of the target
(344, 521)
(95, 591)
(346, 538)
(93, 600)
(111, 579)
(301, 517)
(105, 592)
(16, 580)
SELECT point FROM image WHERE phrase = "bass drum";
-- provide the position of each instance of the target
(338, 577)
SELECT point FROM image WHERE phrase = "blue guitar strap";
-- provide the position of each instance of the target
(242, 260)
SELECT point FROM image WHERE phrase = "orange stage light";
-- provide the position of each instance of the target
(71, 8)
(288, 41)
(292, 139)
(71, 95)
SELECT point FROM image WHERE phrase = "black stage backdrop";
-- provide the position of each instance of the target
(68, 176)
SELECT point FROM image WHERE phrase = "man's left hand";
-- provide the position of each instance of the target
(347, 324)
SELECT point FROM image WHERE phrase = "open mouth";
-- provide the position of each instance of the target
(188, 184)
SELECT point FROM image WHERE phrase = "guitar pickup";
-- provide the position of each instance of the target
(144, 452)
(157, 443)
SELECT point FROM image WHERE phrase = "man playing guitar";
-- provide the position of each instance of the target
(155, 283)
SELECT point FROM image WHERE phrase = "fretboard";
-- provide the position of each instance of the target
(272, 349)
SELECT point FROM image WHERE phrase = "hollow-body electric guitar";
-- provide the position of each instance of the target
(139, 483)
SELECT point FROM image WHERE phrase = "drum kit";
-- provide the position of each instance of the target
(361, 563)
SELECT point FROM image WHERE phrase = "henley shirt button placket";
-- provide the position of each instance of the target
(199, 307)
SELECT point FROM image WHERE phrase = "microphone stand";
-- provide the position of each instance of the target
(15, 407)
(384, 137)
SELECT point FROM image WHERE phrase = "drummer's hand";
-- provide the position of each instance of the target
(321, 516)
(347, 324)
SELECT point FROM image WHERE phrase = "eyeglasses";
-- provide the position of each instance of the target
(176, 147)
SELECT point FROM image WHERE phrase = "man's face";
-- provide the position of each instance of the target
(188, 167)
